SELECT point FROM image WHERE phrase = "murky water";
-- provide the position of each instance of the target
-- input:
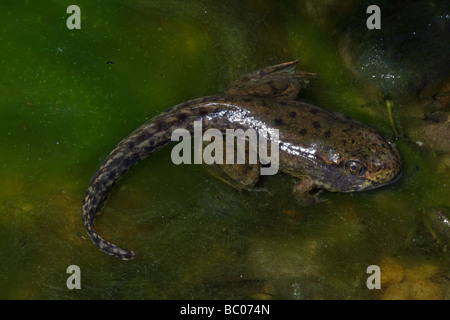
(69, 96)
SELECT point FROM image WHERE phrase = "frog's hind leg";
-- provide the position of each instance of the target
(242, 176)
(279, 82)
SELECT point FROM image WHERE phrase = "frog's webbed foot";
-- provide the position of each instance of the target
(280, 82)
(306, 192)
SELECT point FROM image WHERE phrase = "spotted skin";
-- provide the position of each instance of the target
(322, 149)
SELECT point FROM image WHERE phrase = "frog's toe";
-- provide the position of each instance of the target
(317, 195)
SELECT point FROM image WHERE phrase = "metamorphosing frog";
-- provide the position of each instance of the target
(323, 150)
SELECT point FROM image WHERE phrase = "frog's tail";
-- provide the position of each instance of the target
(94, 200)
(106, 246)
(151, 136)
(128, 153)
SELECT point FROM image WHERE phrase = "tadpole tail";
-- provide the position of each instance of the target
(127, 154)
(151, 136)
(106, 246)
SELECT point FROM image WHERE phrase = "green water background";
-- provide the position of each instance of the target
(69, 96)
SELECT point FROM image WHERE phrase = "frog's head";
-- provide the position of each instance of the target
(368, 160)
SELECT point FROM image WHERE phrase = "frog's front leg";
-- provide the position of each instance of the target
(306, 193)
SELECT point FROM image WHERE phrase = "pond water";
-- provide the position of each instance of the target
(69, 96)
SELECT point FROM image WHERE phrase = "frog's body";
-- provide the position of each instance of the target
(324, 150)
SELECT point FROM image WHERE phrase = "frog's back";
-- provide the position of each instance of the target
(337, 152)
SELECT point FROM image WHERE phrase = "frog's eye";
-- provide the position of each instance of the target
(354, 167)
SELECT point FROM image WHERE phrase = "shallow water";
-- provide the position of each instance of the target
(69, 96)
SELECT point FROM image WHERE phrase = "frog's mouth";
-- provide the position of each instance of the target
(393, 180)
